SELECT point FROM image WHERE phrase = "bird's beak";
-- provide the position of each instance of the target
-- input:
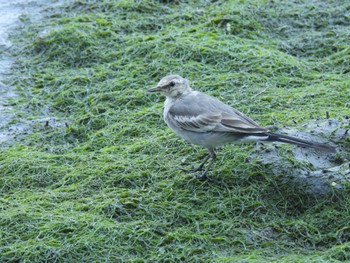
(154, 89)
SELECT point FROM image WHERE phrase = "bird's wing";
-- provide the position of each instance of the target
(197, 123)
(235, 123)
(199, 112)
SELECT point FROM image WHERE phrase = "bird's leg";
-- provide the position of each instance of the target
(213, 158)
(199, 168)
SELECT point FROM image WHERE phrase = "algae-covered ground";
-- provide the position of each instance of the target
(97, 178)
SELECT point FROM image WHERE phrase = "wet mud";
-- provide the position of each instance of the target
(13, 14)
(320, 172)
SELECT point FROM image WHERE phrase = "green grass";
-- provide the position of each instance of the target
(102, 183)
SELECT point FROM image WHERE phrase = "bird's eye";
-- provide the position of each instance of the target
(172, 84)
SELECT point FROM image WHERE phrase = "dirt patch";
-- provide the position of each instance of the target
(319, 171)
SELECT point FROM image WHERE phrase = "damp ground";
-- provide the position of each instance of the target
(13, 16)
(319, 171)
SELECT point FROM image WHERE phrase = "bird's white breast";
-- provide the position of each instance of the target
(167, 105)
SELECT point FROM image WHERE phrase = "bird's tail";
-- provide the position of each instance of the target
(276, 137)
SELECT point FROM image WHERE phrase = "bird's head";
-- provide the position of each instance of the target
(172, 86)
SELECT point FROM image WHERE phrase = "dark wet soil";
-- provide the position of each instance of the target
(319, 171)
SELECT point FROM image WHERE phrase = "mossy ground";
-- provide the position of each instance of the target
(102, 182)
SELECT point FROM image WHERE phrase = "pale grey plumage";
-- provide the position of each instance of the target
(206, 121)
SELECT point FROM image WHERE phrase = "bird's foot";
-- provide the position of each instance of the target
(204, 177)
(192, 170)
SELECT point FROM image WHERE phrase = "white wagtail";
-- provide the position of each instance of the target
(204, 120)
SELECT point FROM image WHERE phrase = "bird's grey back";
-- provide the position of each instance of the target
(197, 103)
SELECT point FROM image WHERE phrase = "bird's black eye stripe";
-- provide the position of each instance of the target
(170, 84)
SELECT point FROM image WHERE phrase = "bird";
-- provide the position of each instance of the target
(208, 122)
